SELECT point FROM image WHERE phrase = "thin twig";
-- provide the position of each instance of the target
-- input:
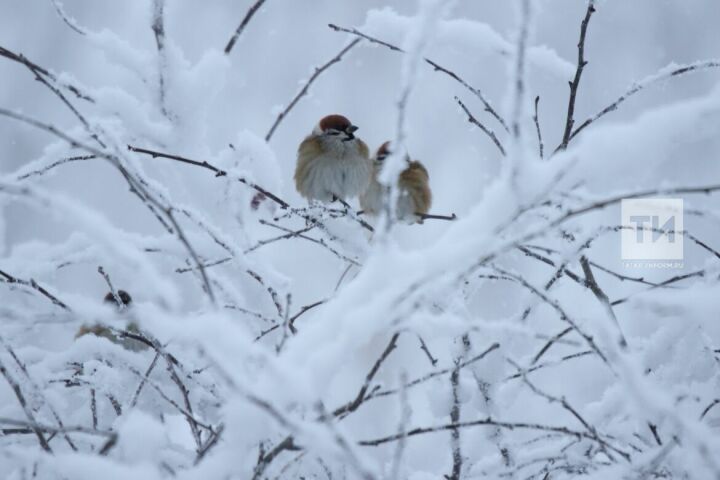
(302, 312)
(476, 122)
(437, 67)
(426, 350)
(575, 83)
(636, 87)
(68, 21)
(602, 298)
(158, 28)
(246, 19)
(519, 73)
(304, 90)
(42, 170)
(218, 172)
(26, 408)
(428, 216)
(483, 422)
(353, 404)
(34, 285)
(541, 147)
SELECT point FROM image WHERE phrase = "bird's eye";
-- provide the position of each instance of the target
(332, 132)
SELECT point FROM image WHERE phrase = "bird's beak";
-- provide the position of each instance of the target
(349, 131)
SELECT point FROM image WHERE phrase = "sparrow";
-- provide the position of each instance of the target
(414, 196)
(100, 330)
(332, 163)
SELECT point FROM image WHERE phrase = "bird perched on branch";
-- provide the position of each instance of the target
(332, 162)
(99, 330)
(414, 197)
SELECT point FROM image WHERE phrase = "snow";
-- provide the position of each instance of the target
(285, 342)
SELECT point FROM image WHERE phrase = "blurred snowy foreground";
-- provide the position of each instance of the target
(149, 147)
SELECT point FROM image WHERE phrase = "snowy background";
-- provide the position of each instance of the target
(487, 346)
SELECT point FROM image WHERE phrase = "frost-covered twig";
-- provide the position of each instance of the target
(70, 22)
(435, 374)
(38, 391)
(246, 19)
(457, 456)
(664, 74)
(304, 90)
(158, 28)
(303, 310)
(137, 185)
(554, 339)
(602, 297)
(353, 405)
(287, 329)
(26, 408)
(320, 242)
(575, 83)
(405, 414)
(552, 363)
(121, 305)
(426, 350)
(476, 423)
(664, 283)
(46, 168)
(35, 68)
(208, 166)
(34, 285)
(541, 147)
(149, 370)
(436, 67)
(605, 445)
(559, 309)
(476, 122)
(519, 70)
(210, 443)
(49, 429)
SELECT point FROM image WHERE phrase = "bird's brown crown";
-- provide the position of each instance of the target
(335, 122)
(383, 151)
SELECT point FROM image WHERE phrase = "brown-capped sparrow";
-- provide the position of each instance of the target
(332, 163)
(414, 196)
(100, 330)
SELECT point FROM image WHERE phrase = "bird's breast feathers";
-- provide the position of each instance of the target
(332, 168)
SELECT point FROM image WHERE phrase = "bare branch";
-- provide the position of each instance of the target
(42, 170)
(352, 405)
(663, 74)
(474, 121)
(246, 19)
(575, 83)
(541, 147)
(520, 54)
(68, 21)
(602, 297)
(483, 422)
(33, 284)
(26, 408)
(158, 28)
(304, 90)
(206, 165)
(437, 67)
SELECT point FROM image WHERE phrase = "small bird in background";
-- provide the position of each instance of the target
(414, 197)
(332, 162)
(125, 298)
(100, 330)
